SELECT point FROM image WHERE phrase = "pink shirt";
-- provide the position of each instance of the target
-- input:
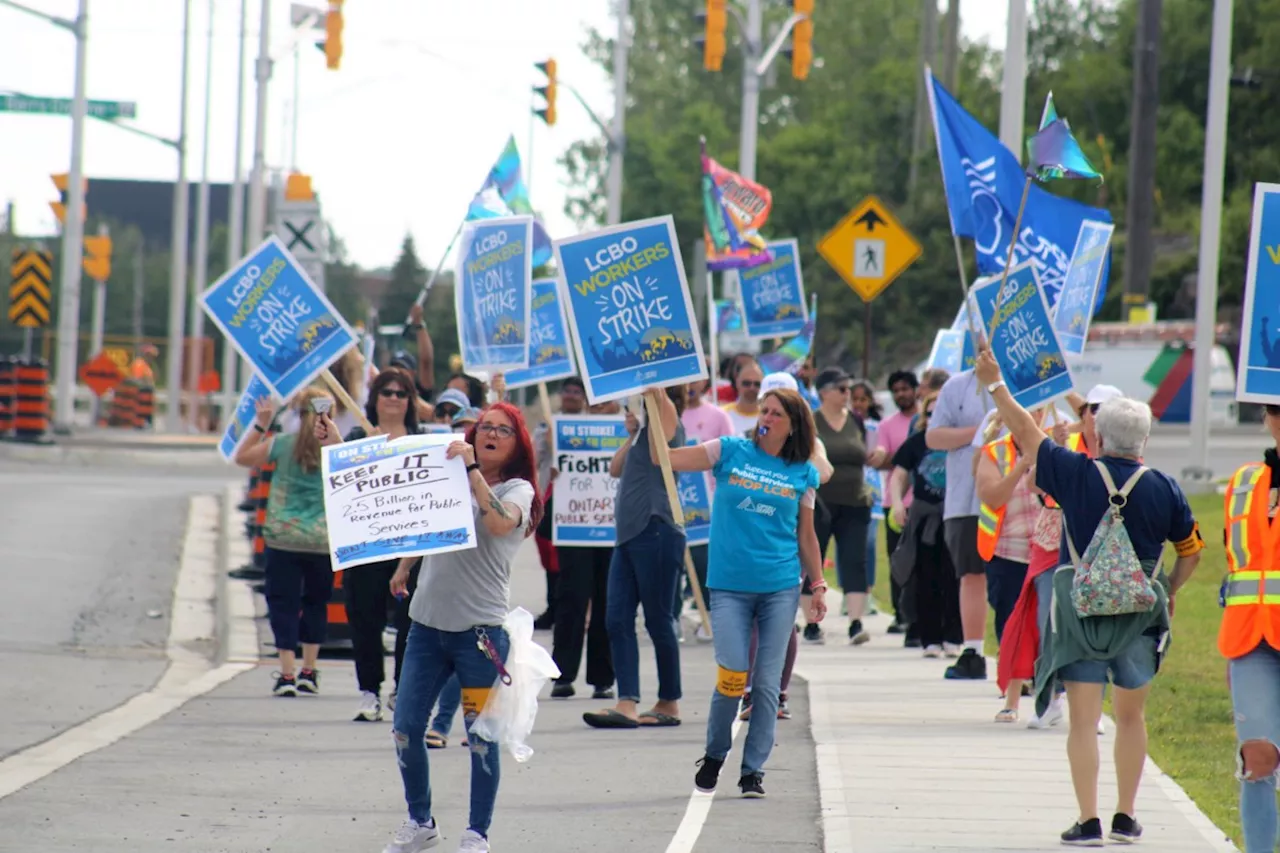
(706, 422)
(1020, 515)
(893, 432)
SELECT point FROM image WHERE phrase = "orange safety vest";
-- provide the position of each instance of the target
(1003, 454)
(1252, 594)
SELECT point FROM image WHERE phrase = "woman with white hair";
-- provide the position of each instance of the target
(1085, 651)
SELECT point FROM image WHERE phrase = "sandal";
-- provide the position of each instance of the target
(609, 719)
(1007, 715)
(435, 740)
(655, 719)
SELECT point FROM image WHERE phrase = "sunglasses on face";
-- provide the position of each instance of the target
(388, 393)
(1092, 408)
(499, 430)
(748, 383)
(447, 409)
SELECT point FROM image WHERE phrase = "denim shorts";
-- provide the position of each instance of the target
(1131, 669)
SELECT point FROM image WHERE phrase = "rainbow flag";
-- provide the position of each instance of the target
(505, 177)
(790, 357)
(734, 210)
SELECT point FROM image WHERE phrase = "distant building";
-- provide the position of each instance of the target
(148, 205)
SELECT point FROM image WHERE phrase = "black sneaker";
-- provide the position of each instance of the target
(545, 622)
(286, 685)
(562, 691)
(602, 693)
(857, 636)
(745, 713)
(751, 785)
(708, 774)
(912, 643)
(309, 682)
(812, 633)
(897, 627)
(971, 666)
(1087, 834)
(1125, 829)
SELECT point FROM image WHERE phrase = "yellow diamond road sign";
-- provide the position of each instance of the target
(869, 248)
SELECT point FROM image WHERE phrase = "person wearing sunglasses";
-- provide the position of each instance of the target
(458, 611)
(921, 564)
(745, 410)
(448, 404)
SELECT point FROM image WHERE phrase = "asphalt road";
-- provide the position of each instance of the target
(87, 554)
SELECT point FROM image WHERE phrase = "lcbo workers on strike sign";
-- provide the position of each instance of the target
(629, 309)
(277, 319)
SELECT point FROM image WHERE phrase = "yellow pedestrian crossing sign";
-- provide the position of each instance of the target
(869, 248)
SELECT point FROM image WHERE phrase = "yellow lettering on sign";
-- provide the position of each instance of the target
(1274, 253)
(730, 683)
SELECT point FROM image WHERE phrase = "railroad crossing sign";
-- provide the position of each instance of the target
(101, 374)
(29, 289)
(300, 228)
(869, 248)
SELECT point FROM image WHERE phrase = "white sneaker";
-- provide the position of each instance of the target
(701, 634)
(951, 650)
(413, 837)
(1102, 729)
(1052, 716)
(473, 842)
(391, 700)
(934, 651)
(370, 708)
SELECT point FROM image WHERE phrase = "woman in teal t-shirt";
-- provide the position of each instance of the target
(761, 537)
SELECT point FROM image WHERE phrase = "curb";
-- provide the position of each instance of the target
(85, 456)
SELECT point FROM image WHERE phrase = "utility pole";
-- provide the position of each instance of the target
(618, 136)
(951, 46)
(257, 212)
(1140, 213)
(200, 267)
(752, 35)
(1013, 95)
(138, 282)
(178, 247)
(235, 213)
(920, 130)
(1215, 158)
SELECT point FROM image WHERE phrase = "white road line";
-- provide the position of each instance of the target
(696, 813)
(189, 674)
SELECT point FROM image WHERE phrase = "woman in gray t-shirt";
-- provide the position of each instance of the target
(457, 611)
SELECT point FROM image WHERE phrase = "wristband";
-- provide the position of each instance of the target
(474, 466)
(814, 587)
(259, 428)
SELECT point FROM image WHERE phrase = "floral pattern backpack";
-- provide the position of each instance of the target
(1109, 580)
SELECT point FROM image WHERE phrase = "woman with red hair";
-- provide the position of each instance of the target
(457, 610)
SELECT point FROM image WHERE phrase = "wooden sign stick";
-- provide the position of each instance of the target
(341, 393)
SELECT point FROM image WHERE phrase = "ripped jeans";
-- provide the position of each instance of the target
(1255, 698)
(431, 658)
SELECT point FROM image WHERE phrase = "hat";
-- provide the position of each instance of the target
(1102, 393)
(774, 381)
(830, 376)
(404, 360)
(468, 415)
(453, 397)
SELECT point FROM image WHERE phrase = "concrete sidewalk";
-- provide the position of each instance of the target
(908, 761)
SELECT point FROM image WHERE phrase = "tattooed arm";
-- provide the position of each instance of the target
(498, 517)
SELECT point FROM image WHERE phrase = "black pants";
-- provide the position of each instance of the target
(1004, 586)
(403, 622)
(584, 580)
(368, 593)
(891, 539)
(298, 588)
(699, 555)
(937, 596)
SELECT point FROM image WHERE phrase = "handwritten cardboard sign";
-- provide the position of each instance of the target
(584, 495)
(389, 499)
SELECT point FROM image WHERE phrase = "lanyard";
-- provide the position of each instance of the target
(486, 646)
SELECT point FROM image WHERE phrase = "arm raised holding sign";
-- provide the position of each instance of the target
(256, 449)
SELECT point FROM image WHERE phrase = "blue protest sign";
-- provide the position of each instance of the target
(1022, 337)
(629, 310)
(388, 499)
(491, 293)
(241, 420)
(1258, 375)
(277, 318)
(949, 346)
(583, 498)
(549, 356)
(695, 501)
(1075, 306)
(872, 476)
(773, 303)
(968, 351)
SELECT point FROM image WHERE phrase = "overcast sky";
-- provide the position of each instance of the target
(397, 140)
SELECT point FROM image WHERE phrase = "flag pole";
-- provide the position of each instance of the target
(1013, 238)
(426, 288)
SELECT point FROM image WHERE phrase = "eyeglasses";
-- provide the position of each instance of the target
(388, 393)
(1092, 408)
(842, 389)
(748, 383)
(500, 430)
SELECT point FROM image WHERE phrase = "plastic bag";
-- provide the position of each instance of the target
(507, 718)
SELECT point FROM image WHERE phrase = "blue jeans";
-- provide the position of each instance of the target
(1129, 670)
(450, 699)
(732, 616)
(431, 660)
(871, 553)
(644, 571)
(1255, 697)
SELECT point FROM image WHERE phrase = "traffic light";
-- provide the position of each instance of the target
(715, 21)
(548, 92)
(802, 40)
(332, 44)
(59, 207)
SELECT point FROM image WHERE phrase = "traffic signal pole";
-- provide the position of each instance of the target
(178, 247)
(753, 32)
(618, 134)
